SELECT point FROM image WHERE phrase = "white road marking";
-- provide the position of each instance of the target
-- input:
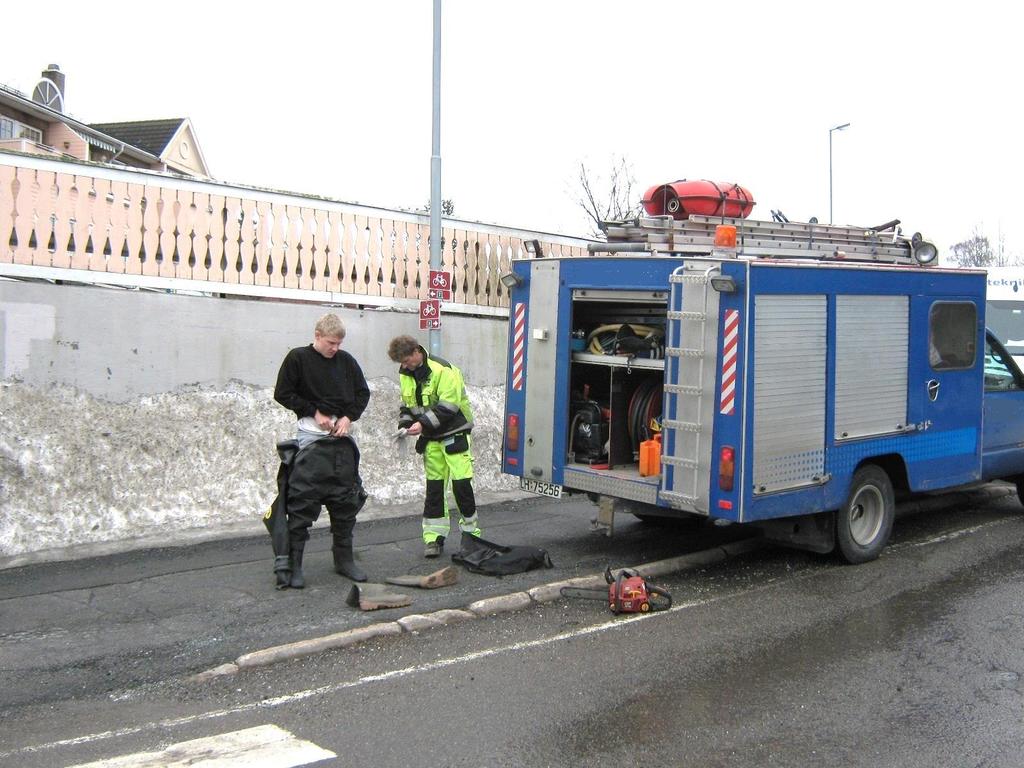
(265, 746)
(952, 535)
(291, 698)
(309, 693)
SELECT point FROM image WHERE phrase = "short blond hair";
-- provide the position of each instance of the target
(330, 325)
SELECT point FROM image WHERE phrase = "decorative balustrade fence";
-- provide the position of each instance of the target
(92, 223)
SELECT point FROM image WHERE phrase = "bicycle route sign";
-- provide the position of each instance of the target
(430, 314)
(440, 286)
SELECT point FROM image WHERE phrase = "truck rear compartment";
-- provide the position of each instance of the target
(615, 396)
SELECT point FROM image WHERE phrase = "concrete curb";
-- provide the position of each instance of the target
(545, 593)
(420, 621)
(316, 645)
(210, 674)
(515, 601)
(500, 604)
(700, 559)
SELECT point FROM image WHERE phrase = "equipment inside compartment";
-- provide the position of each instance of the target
(588, 432)
(612, 412)
(615, 406)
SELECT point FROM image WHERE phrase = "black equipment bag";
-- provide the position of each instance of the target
(480, 556)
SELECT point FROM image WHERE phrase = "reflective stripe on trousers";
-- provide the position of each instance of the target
(433, 527)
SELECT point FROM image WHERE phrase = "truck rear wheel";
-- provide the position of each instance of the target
(864, 523)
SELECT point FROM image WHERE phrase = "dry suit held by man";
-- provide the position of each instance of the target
(325, 388)
(436, 409)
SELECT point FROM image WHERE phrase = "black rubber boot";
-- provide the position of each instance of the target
(343, 523)
(283, 571)
(345, 564)
(298, 581)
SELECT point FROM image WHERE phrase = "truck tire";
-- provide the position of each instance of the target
(864, 522)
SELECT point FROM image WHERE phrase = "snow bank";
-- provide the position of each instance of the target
(75, 470)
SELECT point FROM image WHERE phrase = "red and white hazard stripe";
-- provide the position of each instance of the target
(518, 344)
(730, 342)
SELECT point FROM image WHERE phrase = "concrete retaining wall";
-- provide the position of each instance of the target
(118, 344)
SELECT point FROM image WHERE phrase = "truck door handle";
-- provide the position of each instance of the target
(933, 390)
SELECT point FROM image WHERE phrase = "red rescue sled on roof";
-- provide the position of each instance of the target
(682, 198)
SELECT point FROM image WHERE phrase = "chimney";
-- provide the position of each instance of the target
(52, 72)
(49, 91)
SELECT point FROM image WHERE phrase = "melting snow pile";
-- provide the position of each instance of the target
(76, 470)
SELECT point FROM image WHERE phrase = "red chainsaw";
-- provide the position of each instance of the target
(628, 592)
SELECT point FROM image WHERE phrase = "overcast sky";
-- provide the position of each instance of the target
(334, 99)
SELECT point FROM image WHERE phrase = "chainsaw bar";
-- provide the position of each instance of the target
(586, 594)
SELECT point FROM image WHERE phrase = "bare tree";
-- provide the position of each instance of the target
(447, 207)
(975, 251)
(607, 200)
(1000, 256)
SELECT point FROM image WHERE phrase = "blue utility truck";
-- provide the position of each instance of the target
(797, 377)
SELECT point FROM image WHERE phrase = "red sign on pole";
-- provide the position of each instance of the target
(430, 314)
(440, 286)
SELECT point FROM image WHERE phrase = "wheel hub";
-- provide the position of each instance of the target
(866, 514)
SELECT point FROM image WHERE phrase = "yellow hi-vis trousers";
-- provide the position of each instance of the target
(443, 469)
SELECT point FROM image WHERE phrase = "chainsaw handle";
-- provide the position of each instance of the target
(653, 590)
(623, 573)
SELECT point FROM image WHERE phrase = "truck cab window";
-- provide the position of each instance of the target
(952, 327)
(1006, 320)
(998, 375)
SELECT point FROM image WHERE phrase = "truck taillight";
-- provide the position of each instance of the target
(726, 467)
(512, 433)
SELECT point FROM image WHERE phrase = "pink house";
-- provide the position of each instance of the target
(39, 126)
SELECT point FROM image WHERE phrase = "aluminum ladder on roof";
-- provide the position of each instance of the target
(770, 239)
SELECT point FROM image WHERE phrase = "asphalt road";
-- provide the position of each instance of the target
(83, 627)
(775, 658)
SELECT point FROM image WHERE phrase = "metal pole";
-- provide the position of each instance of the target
(830, 131)
(435, 167)
(830, 177)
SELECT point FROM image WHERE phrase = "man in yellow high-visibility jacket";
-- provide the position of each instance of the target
(435, 407)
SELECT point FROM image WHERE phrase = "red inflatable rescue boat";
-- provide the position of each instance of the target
(682, 198)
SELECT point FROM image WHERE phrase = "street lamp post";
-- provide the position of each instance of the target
(830, 132)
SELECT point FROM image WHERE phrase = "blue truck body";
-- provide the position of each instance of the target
(802, 395)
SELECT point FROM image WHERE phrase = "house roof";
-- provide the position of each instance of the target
(145, 141)
(20, 101)
(151, 136)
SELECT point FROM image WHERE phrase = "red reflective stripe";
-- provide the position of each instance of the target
(730, 344)
(518, 344)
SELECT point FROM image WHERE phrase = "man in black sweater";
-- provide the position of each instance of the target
(325, 388)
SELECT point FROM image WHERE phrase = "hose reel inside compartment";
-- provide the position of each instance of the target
(616, 375)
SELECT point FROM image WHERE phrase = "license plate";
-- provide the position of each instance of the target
(544, 489)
